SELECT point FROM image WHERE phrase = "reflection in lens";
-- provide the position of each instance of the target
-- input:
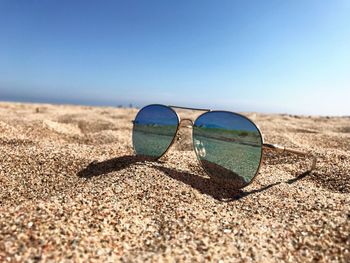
(154, 129)
(229, 146)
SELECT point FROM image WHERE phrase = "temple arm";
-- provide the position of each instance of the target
(283, 149)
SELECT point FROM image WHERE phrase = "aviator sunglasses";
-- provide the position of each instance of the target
(228, 145)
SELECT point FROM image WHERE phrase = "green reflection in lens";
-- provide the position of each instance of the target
(154, 129)
(229, 147)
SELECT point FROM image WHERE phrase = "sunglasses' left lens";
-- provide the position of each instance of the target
(154, 129)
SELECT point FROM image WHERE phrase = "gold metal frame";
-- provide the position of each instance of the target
(265, 146)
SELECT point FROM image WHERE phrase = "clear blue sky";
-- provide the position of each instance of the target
(267, 56)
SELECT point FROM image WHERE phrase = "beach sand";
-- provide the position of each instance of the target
(70, 189)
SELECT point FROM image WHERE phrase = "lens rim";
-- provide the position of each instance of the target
(172, 141)
(235, 114)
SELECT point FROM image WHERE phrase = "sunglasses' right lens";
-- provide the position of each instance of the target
(154, 129)
(229, 147)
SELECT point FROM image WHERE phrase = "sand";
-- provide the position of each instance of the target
(71, 190)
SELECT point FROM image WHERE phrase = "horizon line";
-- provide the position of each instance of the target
(131, 105)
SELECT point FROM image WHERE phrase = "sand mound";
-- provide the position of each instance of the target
(71, 189)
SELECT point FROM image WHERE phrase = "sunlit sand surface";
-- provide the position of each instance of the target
(71, 189)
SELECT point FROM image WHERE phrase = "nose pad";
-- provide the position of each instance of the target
(199, 148)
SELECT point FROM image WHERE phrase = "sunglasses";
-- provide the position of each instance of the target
(228, 145)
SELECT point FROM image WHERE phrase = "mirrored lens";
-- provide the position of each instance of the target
(154, 129)
(229, 146)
